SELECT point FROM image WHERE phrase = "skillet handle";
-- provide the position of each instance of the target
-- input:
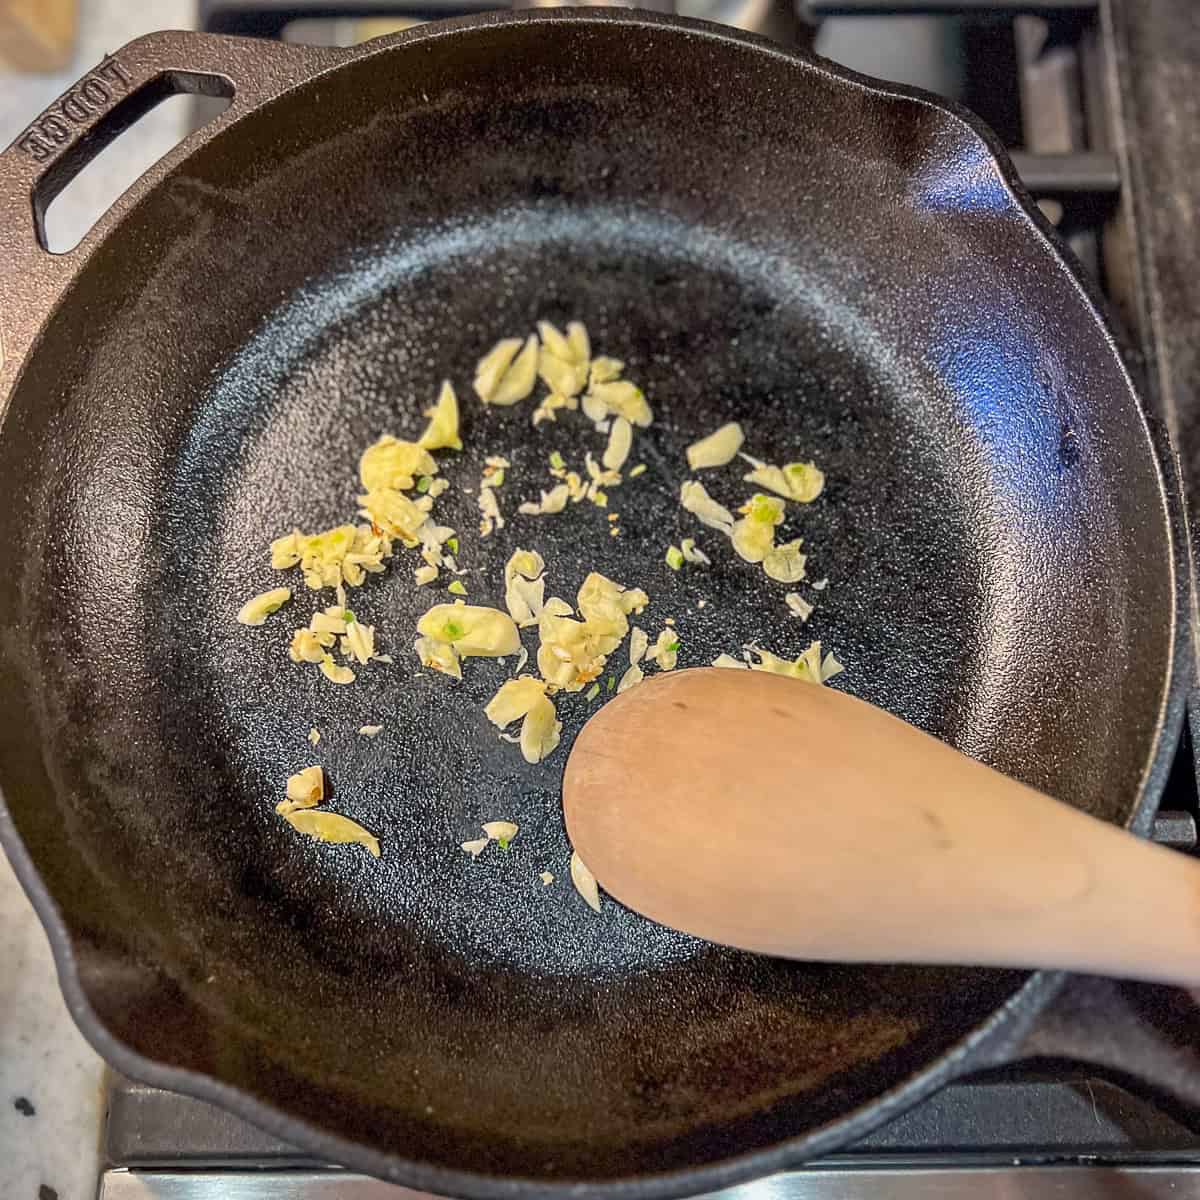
(114, 95)
(1143, 1037)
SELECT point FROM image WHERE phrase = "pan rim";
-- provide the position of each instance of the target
(989, 1039)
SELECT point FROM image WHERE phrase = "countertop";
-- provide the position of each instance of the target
(51, 1081)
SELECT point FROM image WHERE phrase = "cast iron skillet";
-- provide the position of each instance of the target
(847, 268)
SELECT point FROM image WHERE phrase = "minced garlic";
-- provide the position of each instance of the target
(618, 398)
(798, 606)
(802, 482)
(620, 442)
(524, 587)
(585, 882)
(717, 449)
(473, 630)
(438, 656)
(632, 677)
(553, 501)
(257, 610)
(563, 361)
(329, 827)
(808, 666)
(785, 564)
(500, 831)
(694, 498)
(508, 372)
(305, 789)
(393, 464)
(665, 650)
(335, 673)
(442, 432)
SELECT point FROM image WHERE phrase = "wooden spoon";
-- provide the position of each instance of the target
(795, 820)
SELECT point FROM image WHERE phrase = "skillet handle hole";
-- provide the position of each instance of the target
(84, 183)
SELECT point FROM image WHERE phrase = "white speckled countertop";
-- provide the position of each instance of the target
(51, 1081)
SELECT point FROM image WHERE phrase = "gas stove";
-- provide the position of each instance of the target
(1100, 103)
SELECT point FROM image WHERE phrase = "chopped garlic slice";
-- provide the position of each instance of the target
(359, 642)
(692, 553)
(514, 700)
(579, 341)
(492, 366)
(551, 405)
(257, 610)
(391, 463)
(632, 677)
(572, 653)
(694, 498)
(473, 630)
(527, 563)
(524, 589)
(489, 511)
(334, 673)
(618, 398)
(639, 642)
(332, 621)
(306, 647)
(314, 735)
(394, 513)
(553, 501)
(438, 656)
(285, 551)
(370, 730)
(555, 342)
(305, 789)
(547, 878)
(563, 360)
(334, 556)
(425, 574)
(329, 827)
(524, 599)
(798, 606)
(476, 847)
(717, 449)
(507, 373)
(595, 410)
(753, 536)
(500, 831)
(752, 540)
(802, 482)
(540, 731)
(442, 432)
(620, 442)
(808, 666)
(560, 376)
(727, 660)
(665, 650)
(785, 563)
(585, 882)
(604, 370)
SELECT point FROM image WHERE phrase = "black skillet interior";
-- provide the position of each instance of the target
(842, 271)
